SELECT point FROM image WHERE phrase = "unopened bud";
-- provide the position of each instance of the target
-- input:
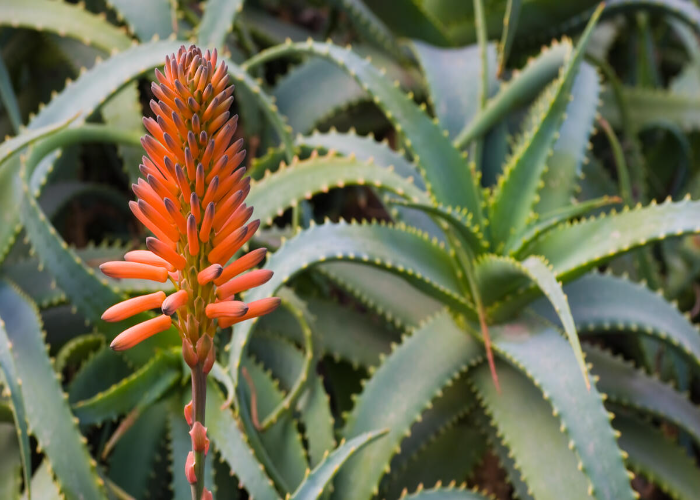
(188, 353)
(192, 329)
(204, 345)
(189, 469)
(188, 413)
(206, 495)
(209, 362)
(200, 442)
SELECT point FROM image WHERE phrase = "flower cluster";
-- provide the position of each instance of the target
(192, 198)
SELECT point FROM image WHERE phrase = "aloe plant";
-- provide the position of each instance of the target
(372, 380)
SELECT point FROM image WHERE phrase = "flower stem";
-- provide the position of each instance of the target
(199, 400)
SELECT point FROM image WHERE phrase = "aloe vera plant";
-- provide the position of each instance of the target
(446, 341)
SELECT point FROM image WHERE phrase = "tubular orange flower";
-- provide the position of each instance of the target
(130, 307)
(192, 199)
(132, 336)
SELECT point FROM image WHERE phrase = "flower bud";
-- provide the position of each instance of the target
(188, 413)
(200, 442)
(204, 345)
(188, 353)
(189, 469)
(209, 362)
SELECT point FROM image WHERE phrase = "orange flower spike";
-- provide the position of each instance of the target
(138, 333)
(131, 307)
(192, 199)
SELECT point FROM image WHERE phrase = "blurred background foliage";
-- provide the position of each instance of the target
(640, 106)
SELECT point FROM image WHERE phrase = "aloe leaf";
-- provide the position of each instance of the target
(370, 26)
(383, 293)
(492, 271)
(11, 146)
(11, 383)
(44, 485)
(552, 219)
(217, 22)
(180, 446)
(409, 254)
(583, 417)
(397, 393)
(94, 86)
(301, 180)
(522, 89)
(10, 464)
(446, 493)
(308, 106)
(142, 388)
(656, 457)
(442, 165)
(515, 195)
(155, 18)
(453, 90)
(8, 97)
(449, 456)
(459, 219)
(334, 91)
(225, 431)
(569, 151)
(64, 19)
(647, 106)
(338, 330)
(505, 457)
(97, 373)
(364, 148)
(10, 187)
(281, 439)
(455, 404)
(610, 235)
(630, 387)
(544, 447)
(131, 463)
(510, 24)
(320, 477)
(48, 415)
(78, 349)
(286, 361)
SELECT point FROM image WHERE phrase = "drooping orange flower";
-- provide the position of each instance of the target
(191, 197)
